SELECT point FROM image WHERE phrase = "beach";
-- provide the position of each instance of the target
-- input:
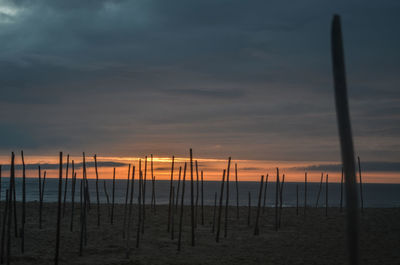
(310, 239)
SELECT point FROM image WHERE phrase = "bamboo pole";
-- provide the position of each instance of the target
(14, 201)
(152, 182)
(170, 191)
(281, 200)
(220, 207)
(361, 189)
(144, 192)
(265, 193)
(215, 213)
(130, 212)
(197, 195)
(182, 207)
(237, 192)
(40, 197)
(177, 190)
(227, 198)
(139, 207)
(107, 197)
(3, 228)
(202, 199)
(59, 210)
(173, 213)
(249, 211)
(256, 227)
(276, 199)
(71, 227)
(326, 196)
(305, 194)
(320, 189)
(346, 139)
(86, 200)
(126, 201)
(191, 197)
(341, 192)
(97, 190)
(65, 187)
(23, 204)
(113, 198)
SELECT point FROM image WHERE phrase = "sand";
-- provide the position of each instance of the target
(314, 239)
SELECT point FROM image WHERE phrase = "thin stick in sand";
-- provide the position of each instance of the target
(320, 189)
(265, 193)
(281, 200)
(237, 192)
(177, 190)
(276, 199)
(97, 190)
(40, 196)
(170, 191)
(192, 197)
(65, 187)
(215, 213)
(341, 192)
(256, 227)
(202, 199)
(152, 182)
(346, 139)
(305, 194)
(9, 220)
(126, 201)
(361, 188)
(197, 195)
(182, 207)
(221, 196)
(59, 210)
(107, 197)
(23, 204)
(3, 228)
(173, 214)
(128, 232)
(326, 196)
(227, 198)
(113, 198)
(144, 181)
(71, 227)
(139, 208)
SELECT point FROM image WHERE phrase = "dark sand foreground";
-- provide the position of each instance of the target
(316, 239)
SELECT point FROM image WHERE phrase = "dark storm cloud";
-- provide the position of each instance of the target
(248, 79)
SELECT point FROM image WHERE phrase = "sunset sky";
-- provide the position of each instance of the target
(246, 79)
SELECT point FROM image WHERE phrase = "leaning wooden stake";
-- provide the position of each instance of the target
(305, 194)
(320, 189)
(276, 199)
(256, 227)
(173, 214)
(10, 209)
(23, 204)
(177, 190)
(182, 207)
(59, 210)
(113, 198)
(71, 226)
(326, 196)
(341, 192)
(192, 197)
(281, 200)
(202, 199)
(346, 139)
(197, 195)
(237, 192)
(221, 196)
(227, 198)
(107, 197)
(14, 202)
(170, 191)
(126, 201)
(265, 193)
(65, 187)
(128, 232)
(97, 190)
(40, 197)
(144, 181)
(139, 208)
(361, 190)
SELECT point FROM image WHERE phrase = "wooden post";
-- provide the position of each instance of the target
(341, 192)
(139, 207)
(65, 187)
(177, 191)
(320, 189)
(152, 182)
(113, 198)
(227, 198)
(346, 139)
(191, 197)
(59, 210)
(23, 204)
(256, 227)
(276, 199)
(237, 192)
(14, 201)
(215, 212)
(40, 197)
(170, 191)
(265, 192)
(0, 183)
(3, 228)
(126, 201)
(221, 196)
(297, 199)
(197, 195)
(249, 211)
(144, 193)
(10, 209)
(305, 194)
(130, 213)
(97, 190)
(107, 197)
(281, 200)
(154, 193)
(361, 189)
(71, 228)
(326, 196)
(182, 207)
(202, 199)
(173, 213)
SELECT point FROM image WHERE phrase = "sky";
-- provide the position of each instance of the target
(246, 79)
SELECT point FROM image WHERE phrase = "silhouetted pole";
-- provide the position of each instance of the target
(0, 183)
(113, 198)
(72, 196)
(152, 181)
(197, 194)
(144, 180)
(107, 197)
(202, 199)
(276, 198)
(173, 213)
(265, 192)
(170, 192)
(23, 204)
(227, 198)
(281, 200)
(305, 194)
(361, 189)
(59, 210)
(191, 197)
(256, 228)
(65, 187)
(326, 196)
(215, 213)
(9, 221)
(128, 232)
(320, 189)
(177, 191)
(126, 201)
(237, 192)
(3, 228)
(221, 196)
(40, 197)
(346, 139)
(139, 207)
(341, 192)
(97, 190)
(182, 207)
